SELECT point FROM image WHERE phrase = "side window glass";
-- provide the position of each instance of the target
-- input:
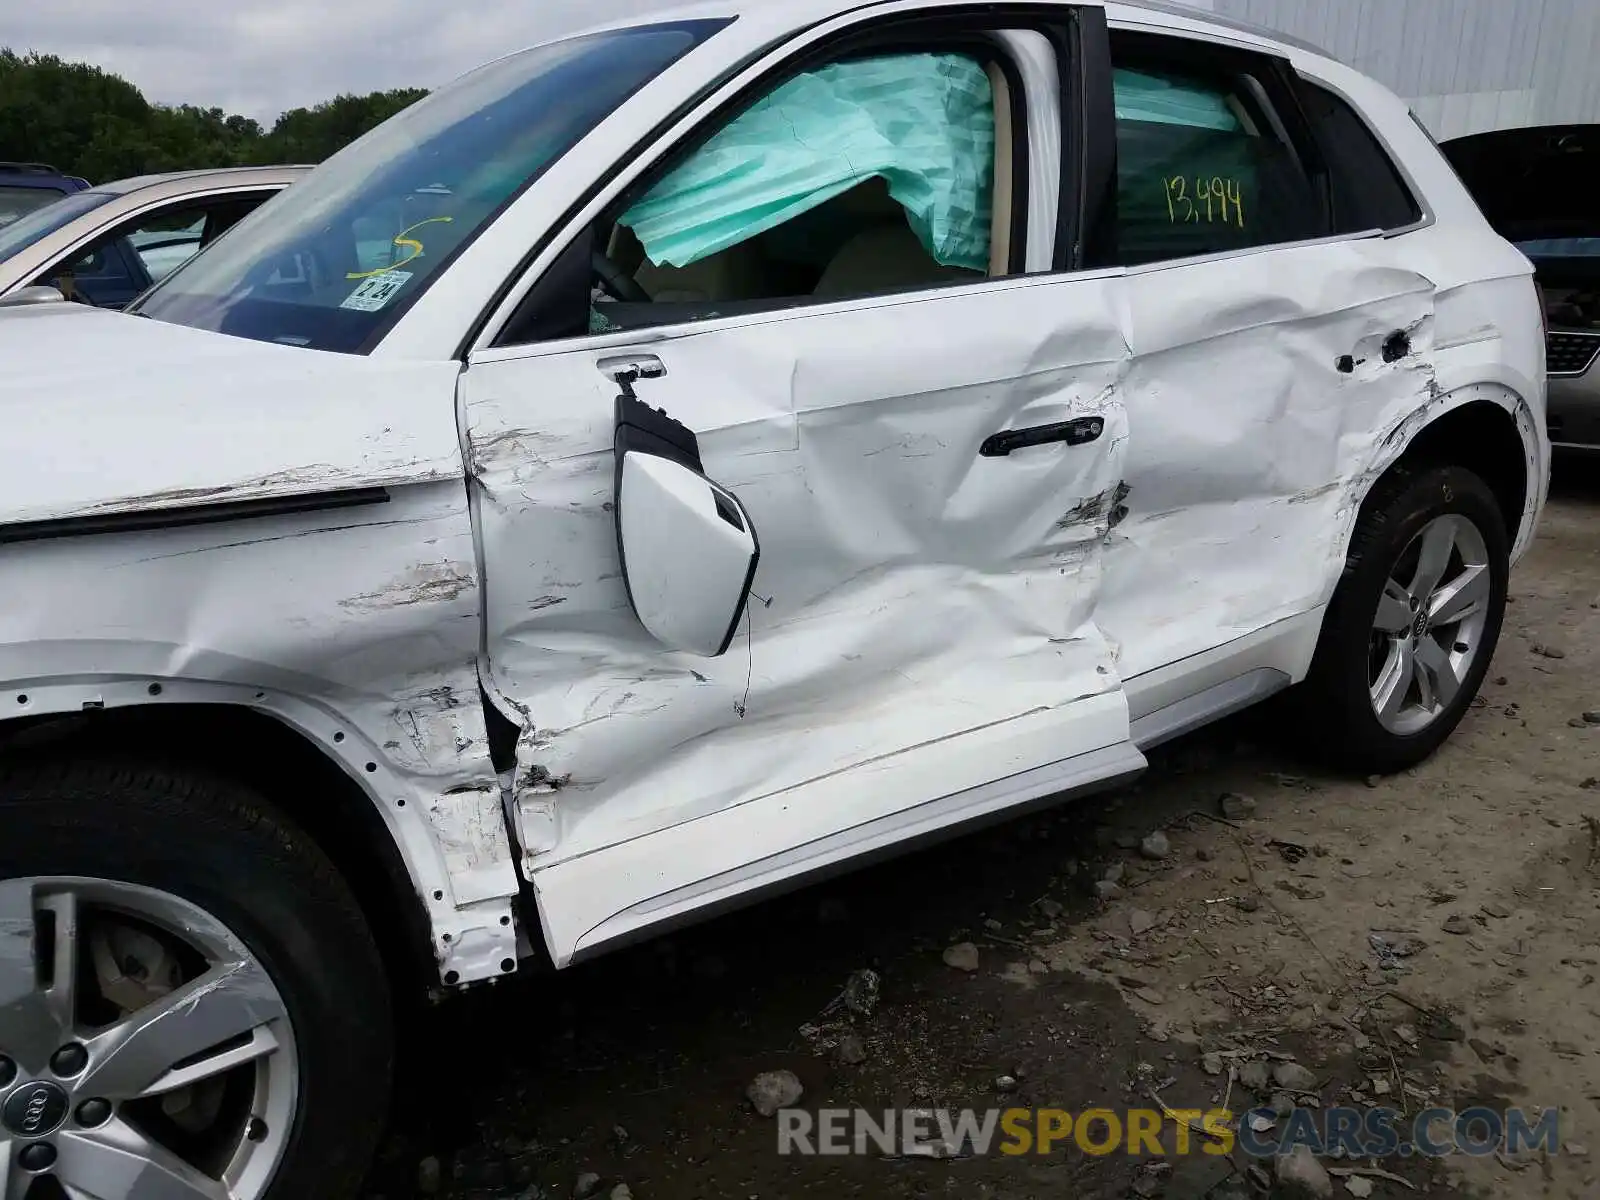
(1368, 191)
(856, 178)
(1202, 165)
(99, 275)
(121, 264)
(163, 243)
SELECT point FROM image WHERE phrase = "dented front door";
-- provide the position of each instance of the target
(931, 478)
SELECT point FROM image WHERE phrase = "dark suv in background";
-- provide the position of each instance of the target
(27, 186)
(1538, 186)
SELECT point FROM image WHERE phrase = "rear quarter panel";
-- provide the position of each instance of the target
(1488, 330)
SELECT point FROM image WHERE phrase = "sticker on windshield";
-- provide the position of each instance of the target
(373, 293)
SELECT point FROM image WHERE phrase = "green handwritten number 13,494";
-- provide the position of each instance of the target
(1214, 200)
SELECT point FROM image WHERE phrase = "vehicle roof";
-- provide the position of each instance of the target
(181, 182)
(798, 14)
(42, 175)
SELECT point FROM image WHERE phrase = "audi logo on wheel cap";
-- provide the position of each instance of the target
(35, 1109)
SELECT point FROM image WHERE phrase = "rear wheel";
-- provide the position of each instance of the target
(1414, 623)
(191, 1004)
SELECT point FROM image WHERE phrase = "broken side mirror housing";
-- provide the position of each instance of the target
(688, 548)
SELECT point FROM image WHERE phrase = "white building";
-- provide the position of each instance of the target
(1466, 65)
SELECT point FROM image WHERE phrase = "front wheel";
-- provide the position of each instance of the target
(1414, 623)
(191, 1004)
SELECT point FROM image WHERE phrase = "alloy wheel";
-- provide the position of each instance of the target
(145, 1053)
(1428, 629)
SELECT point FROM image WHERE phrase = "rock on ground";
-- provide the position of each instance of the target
(1155, 846)
(772, 1090)
(1293, 1077)
(963, 956)
(1301, 1177)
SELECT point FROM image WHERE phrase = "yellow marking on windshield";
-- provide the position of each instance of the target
(408, 243)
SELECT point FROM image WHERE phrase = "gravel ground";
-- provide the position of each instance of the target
(1247, 940)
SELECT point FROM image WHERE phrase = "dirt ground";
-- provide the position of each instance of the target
(1249, 942)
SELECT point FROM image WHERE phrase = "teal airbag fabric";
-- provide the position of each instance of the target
(924, 123)
(1142, 97)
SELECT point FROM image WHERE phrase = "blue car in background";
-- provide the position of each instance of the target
(27, 186)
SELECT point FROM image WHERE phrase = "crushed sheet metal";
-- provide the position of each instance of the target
(890, 554)
(274, 420)
(1251, 449)
(896, 561)
(359, 627)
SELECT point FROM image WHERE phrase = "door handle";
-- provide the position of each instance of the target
(634, 366)
(1076, 432)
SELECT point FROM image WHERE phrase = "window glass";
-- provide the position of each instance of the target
(164, 243)
(1201, 168)
(353, 243)
(1368, 191)
(99, 274)
(1579, 247)
(17, 202)
(42, 222)
(120, 264)
(856, 178)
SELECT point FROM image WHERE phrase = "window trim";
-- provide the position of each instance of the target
(1089, 150)
(619, 339)
(979, 23)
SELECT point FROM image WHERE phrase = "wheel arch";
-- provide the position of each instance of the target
(1489, 429)
(269, 753)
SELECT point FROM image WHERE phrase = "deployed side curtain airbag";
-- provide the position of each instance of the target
(924, 123)
(1142, 97)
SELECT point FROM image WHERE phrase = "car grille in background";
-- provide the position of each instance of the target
(1570, 353)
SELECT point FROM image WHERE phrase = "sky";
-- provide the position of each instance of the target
(259, 57)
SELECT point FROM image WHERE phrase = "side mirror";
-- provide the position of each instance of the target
(688, 549)
(41, 293)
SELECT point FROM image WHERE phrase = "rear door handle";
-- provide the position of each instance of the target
(1076, 432)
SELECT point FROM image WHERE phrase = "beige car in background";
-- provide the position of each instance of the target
(106, 245)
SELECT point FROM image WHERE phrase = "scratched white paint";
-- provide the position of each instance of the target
(910, 594)
(900, 606)
(158, 416)
(360, 622)
(926, 620)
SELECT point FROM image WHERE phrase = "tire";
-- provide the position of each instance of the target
(1339, 718)
(190, 843)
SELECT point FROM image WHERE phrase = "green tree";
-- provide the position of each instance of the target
(309, 135)
(89, 122)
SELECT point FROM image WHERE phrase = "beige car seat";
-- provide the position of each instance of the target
(731, 274)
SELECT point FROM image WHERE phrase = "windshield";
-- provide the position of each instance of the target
(41, 222)
(333, 261)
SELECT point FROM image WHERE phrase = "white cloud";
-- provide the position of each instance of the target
(259, 57)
